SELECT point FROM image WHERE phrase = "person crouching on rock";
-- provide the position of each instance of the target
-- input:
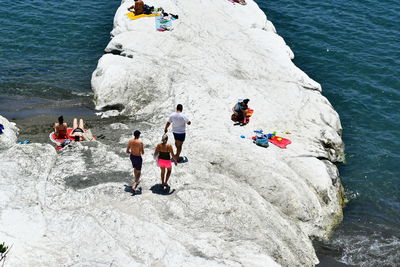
(138, 7)
(164, 152)
(239, 112)
(78, 131)
(136, 150)
(60, 128)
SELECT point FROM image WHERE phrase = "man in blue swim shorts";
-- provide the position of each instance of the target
(178, 121)
(135, 149)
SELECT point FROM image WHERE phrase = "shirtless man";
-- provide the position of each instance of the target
(135, 149)
(60, 128)
(138, 7)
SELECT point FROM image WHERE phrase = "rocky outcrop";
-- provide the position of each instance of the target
(9, 136)
(217, 53)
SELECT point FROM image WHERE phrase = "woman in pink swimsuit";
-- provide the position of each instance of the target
(164, 152)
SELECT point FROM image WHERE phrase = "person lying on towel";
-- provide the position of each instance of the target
(138, 7)
(242, 2)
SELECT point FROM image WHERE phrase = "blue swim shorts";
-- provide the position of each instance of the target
(136, 162)
(179, 136)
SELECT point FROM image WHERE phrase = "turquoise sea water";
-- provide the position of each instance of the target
(49, 50)
(353, 49)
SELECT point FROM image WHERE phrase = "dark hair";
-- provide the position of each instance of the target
(77, 138)
(61, 120)
(246, 101)
(136, 133)
(179, 107)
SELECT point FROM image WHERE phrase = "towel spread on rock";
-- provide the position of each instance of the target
(280, 141)
(87, 136)
(132, 15)
(163, 24)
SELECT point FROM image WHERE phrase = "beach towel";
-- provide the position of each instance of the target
(280, 141)
(132, 15)
(163, 24)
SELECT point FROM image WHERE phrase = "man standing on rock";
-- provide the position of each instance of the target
(179, 121)
(135, 148)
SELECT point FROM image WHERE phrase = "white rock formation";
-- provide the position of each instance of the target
(234, 204)
(219, 52)
(9, 136)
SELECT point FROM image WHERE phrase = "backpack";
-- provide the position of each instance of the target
(261, 140)
(234, 117)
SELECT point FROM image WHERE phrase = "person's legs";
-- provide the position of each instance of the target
(137, 170)
(178, 145)
(162, 175)
(179, 139)
(81, 124)
(75, 123)
(241, 116)
(137, 178)
(169, 170)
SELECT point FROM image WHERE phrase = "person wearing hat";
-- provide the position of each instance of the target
(136, 150)
(164, 151)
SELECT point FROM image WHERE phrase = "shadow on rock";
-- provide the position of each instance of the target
(129, 189)
(93, 179)
(160, 190)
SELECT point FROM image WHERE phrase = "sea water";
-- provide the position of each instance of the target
(48, 50)
(353, 49)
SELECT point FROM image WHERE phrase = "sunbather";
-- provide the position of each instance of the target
(138, 7)
(78, 131)
(242, 2)
(60, 128)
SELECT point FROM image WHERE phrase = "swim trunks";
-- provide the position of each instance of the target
(163, 163)
(136, 162)
(179, 136)
(78, 130)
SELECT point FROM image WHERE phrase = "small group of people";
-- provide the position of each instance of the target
(61, 129)
(164, 152)
(241, 112)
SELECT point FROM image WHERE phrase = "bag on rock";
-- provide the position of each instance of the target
(262, 141)
(234, 117)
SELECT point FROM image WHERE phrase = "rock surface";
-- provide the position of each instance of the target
(9, 136)
(233, 203)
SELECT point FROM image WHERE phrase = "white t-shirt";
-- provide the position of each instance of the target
(178, 121)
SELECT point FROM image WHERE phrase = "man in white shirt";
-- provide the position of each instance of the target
(178, 121)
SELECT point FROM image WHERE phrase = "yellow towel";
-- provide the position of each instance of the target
(132, 15)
